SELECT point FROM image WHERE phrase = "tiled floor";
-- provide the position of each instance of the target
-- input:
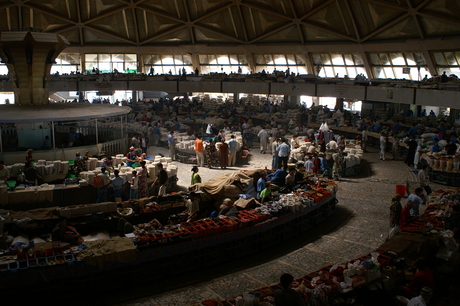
(359, 225)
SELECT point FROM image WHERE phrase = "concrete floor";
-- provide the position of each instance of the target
(359, 225)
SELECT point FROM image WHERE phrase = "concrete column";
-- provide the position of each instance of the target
(339, 104)
(236, 97)
(29, 57)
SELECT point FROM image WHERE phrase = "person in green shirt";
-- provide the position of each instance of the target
(196, 178)
(266, 194)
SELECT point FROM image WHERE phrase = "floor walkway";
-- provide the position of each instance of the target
(359, 225)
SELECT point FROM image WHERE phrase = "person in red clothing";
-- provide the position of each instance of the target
(406, 218)
(423, 278)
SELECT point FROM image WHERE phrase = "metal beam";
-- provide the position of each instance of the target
(219, 33)
(389, 4)
(316, 9)
(190, 28)
(450, 19)
(353, 21)
(92, 28)
(212, 13)
(278, 29)
(274, 13)
(147, 9)
(163, 33)
(238, 7)
(310, 24)
(386, 26)
(136, 23)
(47, 12)
(108, 13)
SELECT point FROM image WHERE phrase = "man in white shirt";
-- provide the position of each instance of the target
(263, 136)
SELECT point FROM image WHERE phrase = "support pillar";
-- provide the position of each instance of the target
(339, 104)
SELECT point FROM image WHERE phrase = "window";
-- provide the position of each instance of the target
(163, 64)
(220, 63)
(66, 63)
(280, 62)
(398, 65)
(448, 62)
(332, 64)
(106, 63)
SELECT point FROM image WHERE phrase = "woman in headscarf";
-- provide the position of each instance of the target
(211, 158)
(223, 154)
(143, 187)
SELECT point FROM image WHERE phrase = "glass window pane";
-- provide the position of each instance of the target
(457, 55)
(90, 57)
(379, 73)
(410, 58)
(203, 59)
(397, 59)
(337, 59)
(316, 59)
(299, 60)
(267, 59)
(223, 60)
(451, 61)
(375, 60)
(212, 59)
(290, 59)
(178, 59)
(384, 59)
(167, 60)
(360, 70)
(328, 71)
(301, 69)
(187, 59)
(342, 71)
(348, 60)
(325, 59)
(389, 72)
(118, 58)
(104, 58)
(105, 67)
(280, 59)
(242, 59)
(233, 59)
(130, 57)
(358, 60)
(419, 58)
(439, 58)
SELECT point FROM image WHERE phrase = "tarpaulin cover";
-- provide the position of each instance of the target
(100, 252)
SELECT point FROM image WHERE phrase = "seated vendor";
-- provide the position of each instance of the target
(64, 233)
(279, 176)
(31, 174)
(142, 157)
(192, 207)
(228, 209)
(4, 172)
(290, 178)
(132, 157)
(423, 277)
(406, 217)
(266, 194)
(108, 163)
(300, 174)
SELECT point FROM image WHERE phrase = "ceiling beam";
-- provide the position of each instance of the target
(343, 18)
(385, 26)
(163, 33)
(150, 10)
(353, 21)
(80, 29)
(92, 28)
(243, 24)
(47, 12)
(422, 5)
(271, 12)
(278, 29)
(299, 28)
(310, 24)
(418, 23)
(64, 28)
(219, 33)
(136, 23)
(316, 9)
(189, 24)
(450, 19)
(389, 4)
(105, 14)
(212, 12)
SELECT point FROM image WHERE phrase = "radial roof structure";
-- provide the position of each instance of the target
(241, 22)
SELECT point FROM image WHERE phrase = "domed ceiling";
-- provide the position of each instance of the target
(240, 22)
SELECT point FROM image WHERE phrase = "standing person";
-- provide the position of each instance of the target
(364, 139)
(199, 150)
(102, 192)
(143, 188)
(211, 154)
(395, 214)
(134, 186)
(263, 136)
(395, 147)
(162, 179)
(172, 145)
(418, 153)
(156, 135)
(424, 179)
(72, 137)
(196, 178)
(283, 154)
(144, 142)
(261, 184)
(383, 145)
(29, 157)
(309, 164)
(337, 168)
(416, 198)
(150, 133)
(223, 154)
(286, 296)
(233, 147)
(117, 184)
(274, 145)
(135, 142)
(412, 146)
